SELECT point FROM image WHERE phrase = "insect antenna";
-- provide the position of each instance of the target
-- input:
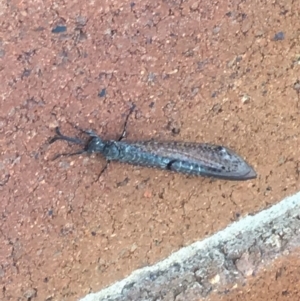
(60, 136)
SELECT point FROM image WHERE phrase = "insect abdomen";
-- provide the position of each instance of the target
(136, 155)
(193, 159)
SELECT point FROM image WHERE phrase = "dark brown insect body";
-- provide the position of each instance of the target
(198, 159)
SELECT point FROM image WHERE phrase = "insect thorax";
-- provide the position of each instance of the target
(95, 145)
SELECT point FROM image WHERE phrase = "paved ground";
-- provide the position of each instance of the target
(221, 265)
(225, 72)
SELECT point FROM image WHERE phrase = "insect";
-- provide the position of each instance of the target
(200, 159)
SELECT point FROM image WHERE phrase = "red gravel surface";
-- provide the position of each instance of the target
(224, 72)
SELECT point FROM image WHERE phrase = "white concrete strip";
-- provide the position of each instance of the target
(216, 263)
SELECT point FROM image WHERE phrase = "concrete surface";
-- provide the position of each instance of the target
(219, 264)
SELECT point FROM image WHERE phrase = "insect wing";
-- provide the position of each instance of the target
(209, 160)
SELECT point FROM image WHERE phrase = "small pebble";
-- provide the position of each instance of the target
(59, 29)
(279, 36)
(216, 29)
(245, 99)
(30, 293)
(297, 86)
(102, 93)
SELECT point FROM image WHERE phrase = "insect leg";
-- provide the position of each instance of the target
(185, 167)
(126, 121)
(68, 154)
(169, 165)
